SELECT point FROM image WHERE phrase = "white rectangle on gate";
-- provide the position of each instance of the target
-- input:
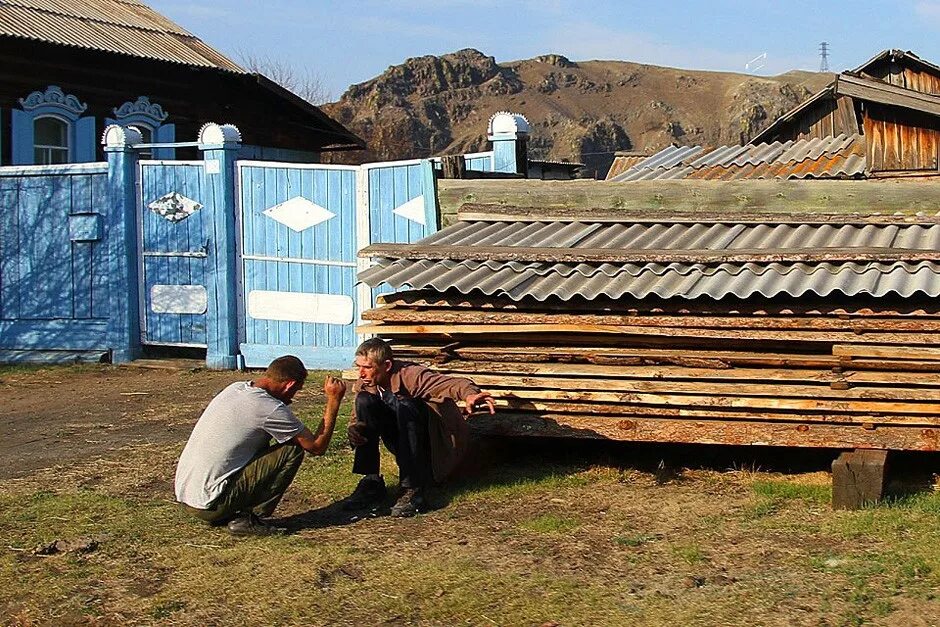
(300, 307)
(179, 299)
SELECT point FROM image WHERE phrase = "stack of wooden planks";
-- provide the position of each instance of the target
(857, 368)
(784, 375)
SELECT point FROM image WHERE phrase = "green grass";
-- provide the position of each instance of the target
(530, 538)
(550, 523)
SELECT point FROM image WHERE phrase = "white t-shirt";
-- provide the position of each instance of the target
(237, 425)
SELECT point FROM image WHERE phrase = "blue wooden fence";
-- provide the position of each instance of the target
(249, 259)
(54, 279)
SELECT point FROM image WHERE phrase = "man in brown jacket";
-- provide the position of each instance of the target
(413, 410)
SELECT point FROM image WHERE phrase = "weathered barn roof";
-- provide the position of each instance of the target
(119, 26)
(894, 54)
(568, 259)
(830, 157)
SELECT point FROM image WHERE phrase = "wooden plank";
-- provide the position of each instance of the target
(751, 433)
(664, 256)
(720, 322)
(878, 91)
(620, 412)
(858, 478)
(519, 329)
(663, 200)
(892, 352)
(682, 373)
(477, 212)
(625, 402)
(616, 386)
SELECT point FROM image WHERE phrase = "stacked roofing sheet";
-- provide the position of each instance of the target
(120, 26)
(794, 332)
(842, 156)
(541, 279)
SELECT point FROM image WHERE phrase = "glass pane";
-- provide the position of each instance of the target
(146, 137)
(50, 132)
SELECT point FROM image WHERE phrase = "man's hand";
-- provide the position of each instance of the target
(473, 399)
(355, 433)
(334, 389)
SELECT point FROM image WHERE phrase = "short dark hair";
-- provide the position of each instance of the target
(286, 368)
(376, 349)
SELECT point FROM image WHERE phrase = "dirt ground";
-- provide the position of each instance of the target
(532, 533)
(54, 416)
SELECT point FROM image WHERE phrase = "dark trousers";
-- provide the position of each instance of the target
(258, 487)
(404, 432)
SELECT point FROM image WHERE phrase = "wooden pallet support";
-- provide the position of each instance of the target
(858, 478)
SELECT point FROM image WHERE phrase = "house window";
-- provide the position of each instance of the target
(50, 140)
(146, 137)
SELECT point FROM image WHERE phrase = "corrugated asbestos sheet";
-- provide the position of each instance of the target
(120, 26)
(542, 280)
(622, 163)
(842, 156)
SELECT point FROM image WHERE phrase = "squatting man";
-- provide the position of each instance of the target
(231, 474)
(413, 410)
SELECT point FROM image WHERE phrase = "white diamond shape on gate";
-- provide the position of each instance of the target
(298, 213)
(174, 206)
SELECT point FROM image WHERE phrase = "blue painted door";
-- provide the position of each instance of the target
(298, 256)
(174, 251)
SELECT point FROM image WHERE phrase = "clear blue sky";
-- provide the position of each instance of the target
(353, 40)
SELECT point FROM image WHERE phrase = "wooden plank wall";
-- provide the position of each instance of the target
(824, 119)
(900, 139)
(668, 198)
(907, 77)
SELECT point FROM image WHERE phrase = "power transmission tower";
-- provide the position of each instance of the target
(824, 57)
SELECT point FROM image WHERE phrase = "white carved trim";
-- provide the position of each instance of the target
(300, 307)
(212, 134)
(117, 136)
(506, 123)
(179, 299)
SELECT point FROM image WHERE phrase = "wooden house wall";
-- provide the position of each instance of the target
(192, 96)
(902, 76)
(899, 139)
(823, 119)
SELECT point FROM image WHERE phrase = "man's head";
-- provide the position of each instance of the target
(374, 362)
(284, 378)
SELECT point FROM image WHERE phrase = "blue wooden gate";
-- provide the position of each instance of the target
(298, 256)
(174, 247)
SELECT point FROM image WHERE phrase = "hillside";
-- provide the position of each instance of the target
(578, 111)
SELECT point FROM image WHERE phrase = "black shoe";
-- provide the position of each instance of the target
(410, 502)
(250, 525)
(369, 492)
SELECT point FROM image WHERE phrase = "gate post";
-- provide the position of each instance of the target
(220, 144)
(123, 295)
(509, 133)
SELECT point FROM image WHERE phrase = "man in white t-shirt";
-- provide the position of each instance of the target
(229, 471)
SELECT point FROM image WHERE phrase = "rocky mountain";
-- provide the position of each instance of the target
(580, 111)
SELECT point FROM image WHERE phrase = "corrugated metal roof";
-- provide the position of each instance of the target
(842, 156)
(544, 279)
(119, 26)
